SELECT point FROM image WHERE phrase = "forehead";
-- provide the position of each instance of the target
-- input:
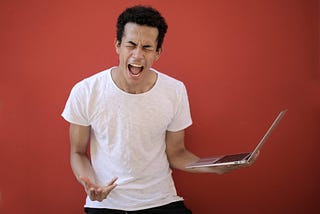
(140, 33)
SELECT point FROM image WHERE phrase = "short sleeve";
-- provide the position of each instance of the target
(182, 118)
(76, 108)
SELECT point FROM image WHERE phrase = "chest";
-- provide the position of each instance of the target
(148, 116)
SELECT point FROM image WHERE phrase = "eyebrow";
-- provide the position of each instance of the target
(134, 44)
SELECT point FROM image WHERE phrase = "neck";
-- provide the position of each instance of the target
(135, 86)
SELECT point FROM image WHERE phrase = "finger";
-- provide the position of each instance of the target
(92, 194)
(90, 188)
(255, 157)
(99, 193)
(113, 180)
(109, 187)
(258, 152)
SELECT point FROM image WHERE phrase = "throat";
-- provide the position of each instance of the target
(134, 87)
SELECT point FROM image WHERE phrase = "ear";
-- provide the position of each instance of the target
(159, 51)
(117, 45)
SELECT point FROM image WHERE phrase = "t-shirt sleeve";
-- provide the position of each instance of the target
(182, 118)
(76, 108)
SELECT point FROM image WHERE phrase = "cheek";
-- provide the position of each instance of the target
(122, 61)
(153, 59)
(123, 56)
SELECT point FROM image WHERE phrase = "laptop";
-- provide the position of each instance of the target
(237, 159)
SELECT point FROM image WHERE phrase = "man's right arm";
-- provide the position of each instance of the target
(81, 165)
(79, 160)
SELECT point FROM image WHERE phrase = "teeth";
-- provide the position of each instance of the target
(135, 65)
(135, 69)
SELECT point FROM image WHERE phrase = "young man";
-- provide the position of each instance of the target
(134, 118)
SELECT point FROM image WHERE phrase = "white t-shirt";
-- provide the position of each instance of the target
(128, 137)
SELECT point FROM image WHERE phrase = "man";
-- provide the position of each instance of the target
(134, 118)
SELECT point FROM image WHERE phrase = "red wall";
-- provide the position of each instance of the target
(242, 62)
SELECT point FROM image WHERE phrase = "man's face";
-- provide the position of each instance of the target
(137, 51)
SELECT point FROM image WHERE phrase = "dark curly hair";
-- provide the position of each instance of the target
(142, 15)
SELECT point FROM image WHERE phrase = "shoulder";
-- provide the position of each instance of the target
(168, 81)
(94, 82)
(99, 78)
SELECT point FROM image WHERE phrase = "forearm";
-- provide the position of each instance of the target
(181, 159)
(81, 166)
(79, 160)
(184, 157)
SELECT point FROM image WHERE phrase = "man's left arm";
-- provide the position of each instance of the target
(179, 156)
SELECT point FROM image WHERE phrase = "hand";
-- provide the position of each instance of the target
(224, 169)
(255, 157)
(97, 192)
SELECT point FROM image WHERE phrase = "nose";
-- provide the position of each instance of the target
(138, 53)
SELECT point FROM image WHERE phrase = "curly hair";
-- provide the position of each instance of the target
(142, 15)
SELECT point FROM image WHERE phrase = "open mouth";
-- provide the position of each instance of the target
(135, 69)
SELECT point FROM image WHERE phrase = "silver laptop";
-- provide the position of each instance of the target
(237, 159)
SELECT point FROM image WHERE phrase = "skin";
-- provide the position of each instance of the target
(138, 48)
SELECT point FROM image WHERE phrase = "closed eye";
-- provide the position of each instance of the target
(148, 47)
(131, 44)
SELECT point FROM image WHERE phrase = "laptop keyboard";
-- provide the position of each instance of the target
(231, 158)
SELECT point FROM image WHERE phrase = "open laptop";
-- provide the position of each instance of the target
(237, 159)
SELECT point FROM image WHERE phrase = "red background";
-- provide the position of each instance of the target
(242, 62)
